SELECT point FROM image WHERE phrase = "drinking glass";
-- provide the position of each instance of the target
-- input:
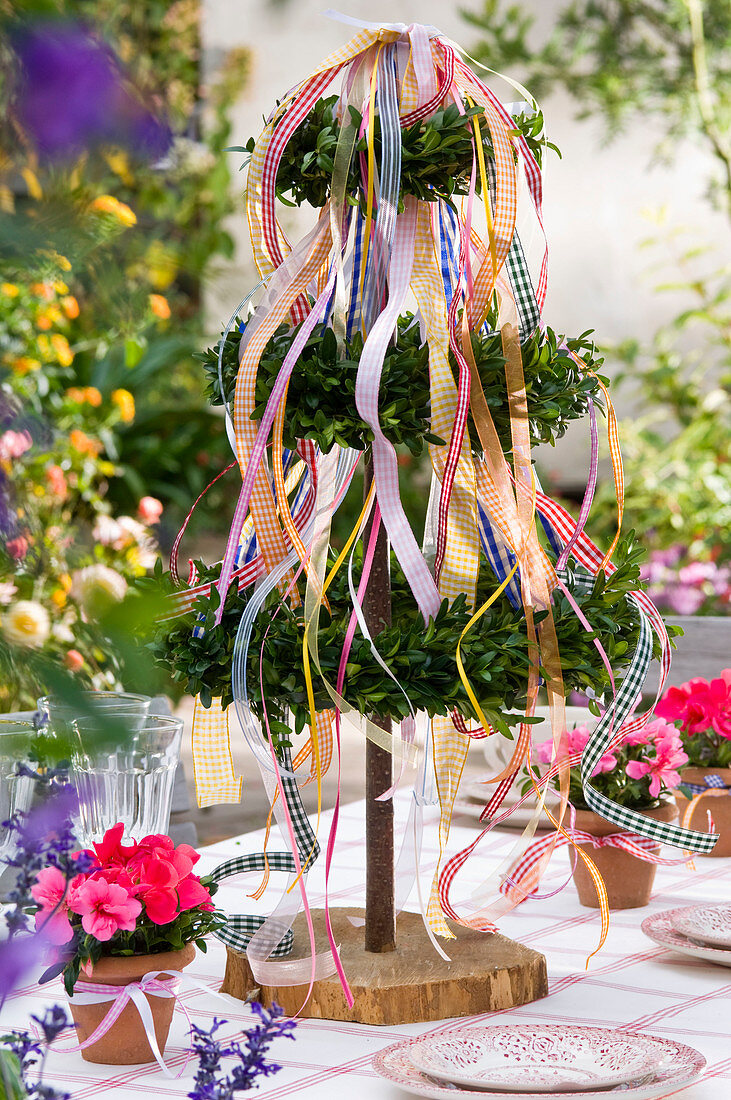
(130, 781)
(16, 791)
(59, 714)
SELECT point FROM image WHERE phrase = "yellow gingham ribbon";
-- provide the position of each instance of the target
(213, 766)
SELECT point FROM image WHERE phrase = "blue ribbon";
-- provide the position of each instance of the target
(710, 783)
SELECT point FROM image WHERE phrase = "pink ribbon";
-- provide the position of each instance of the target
(136, 993)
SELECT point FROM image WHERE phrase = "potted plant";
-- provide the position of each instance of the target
(639, 773)
(136, 909)
(701, 709)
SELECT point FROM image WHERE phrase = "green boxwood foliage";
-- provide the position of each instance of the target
(321, 395)
(496, 652)
(436, 154)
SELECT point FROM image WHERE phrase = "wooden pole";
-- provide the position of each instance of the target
(380, 930)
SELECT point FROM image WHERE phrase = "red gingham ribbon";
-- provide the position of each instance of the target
(441, 92)
(532, 173)
(640, 847)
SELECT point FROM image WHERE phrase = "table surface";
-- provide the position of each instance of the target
(631, 983)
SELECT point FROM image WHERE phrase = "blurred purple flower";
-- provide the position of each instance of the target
(684, 601)
(73, 95)
(18, 957)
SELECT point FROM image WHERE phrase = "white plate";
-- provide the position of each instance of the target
(659, 928)
(551, 1059)
(680, 1066)
(707, 924)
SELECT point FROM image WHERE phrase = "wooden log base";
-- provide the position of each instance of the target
(409, 985)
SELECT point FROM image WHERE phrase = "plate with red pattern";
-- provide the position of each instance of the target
(660, 927)
(709, 924)
(549, 1058)
(647, 1068)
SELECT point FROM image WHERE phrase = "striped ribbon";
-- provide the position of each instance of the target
(519, 883)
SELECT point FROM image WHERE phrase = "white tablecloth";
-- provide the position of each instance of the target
(631, 983)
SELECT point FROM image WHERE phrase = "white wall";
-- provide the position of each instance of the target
(595, 196)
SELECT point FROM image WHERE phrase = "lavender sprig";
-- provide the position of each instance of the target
(31, 1054)
(44, 837)
(209, 1085)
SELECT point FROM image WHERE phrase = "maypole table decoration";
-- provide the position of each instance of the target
(415, 168)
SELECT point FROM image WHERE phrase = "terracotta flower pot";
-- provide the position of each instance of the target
(628, 880)
(126, 1042)
(719, 807)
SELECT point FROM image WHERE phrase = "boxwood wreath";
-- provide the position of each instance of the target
(321, 394)
(436, 154)
(496, 652)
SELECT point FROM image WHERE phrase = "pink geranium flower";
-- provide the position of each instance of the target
(157, 887)
(105, 908)
(158, 846)
(719, 700)
(49, 890)
(192, 893)
(650, 732)
(699, 705)
(110, 852)
(575, 741)
(663, 769)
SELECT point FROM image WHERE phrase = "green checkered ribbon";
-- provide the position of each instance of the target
(239, 929)
(525, 296)
(600, 739)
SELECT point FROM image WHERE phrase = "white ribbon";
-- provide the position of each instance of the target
(149, 984)
(399, 28)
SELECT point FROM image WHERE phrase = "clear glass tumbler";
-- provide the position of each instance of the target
(16, 791)
(59, 714)
(131, 781)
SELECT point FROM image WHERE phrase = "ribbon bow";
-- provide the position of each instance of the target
(524, 870)
(364, 24)
(136, 993)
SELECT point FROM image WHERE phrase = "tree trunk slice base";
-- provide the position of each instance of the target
(412, 984)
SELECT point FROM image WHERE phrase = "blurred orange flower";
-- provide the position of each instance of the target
(42, 290)
(24, 365)
(160, 306)
(57, 481)
(84, 444)
(125, 402)
(70, 306)
(108, 204)
(61, 347)
(48, 317)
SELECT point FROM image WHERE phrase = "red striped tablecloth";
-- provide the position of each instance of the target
(631, 983)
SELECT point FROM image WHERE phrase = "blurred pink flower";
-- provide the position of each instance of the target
(14, 444)
(669, 756)
(49, 890)
(684, 601)
(149, 510)
(7, 591)
(73, 660)
(17, 547)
